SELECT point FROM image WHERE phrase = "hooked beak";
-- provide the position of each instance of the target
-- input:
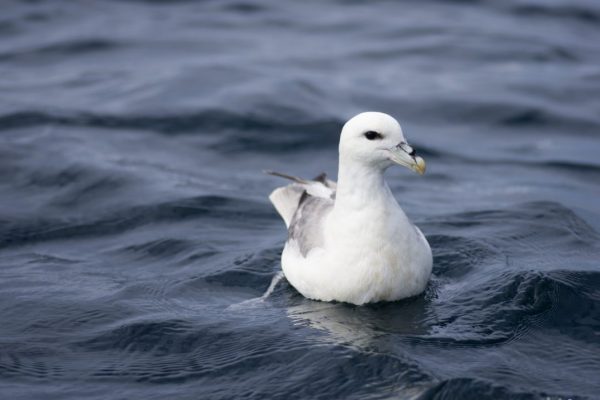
(404, 155)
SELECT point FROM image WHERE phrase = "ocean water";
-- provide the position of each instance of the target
(136, 236)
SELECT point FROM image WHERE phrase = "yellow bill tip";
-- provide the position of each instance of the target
(420, 165)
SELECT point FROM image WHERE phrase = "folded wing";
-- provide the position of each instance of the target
(303, 204)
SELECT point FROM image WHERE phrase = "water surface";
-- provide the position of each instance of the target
(134, 217)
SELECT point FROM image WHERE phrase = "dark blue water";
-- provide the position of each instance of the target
(134, 216)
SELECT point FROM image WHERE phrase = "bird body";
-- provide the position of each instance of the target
(351, 241)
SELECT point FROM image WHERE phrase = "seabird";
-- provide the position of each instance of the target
(351, 241)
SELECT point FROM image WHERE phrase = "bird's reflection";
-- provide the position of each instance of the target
(362, 326)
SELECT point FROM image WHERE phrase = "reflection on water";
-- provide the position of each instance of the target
(361, 327)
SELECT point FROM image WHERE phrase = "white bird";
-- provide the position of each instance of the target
(351, 241)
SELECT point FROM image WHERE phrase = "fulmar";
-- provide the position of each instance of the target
(350, 241)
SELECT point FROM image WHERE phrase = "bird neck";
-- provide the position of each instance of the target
(360, 185)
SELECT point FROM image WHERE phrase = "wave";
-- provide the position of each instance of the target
(15, 232)
(573, 12)
(59, 50)
(248, 128)
(545, 223)
(472, 388)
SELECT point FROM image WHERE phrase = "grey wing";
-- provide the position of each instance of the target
(306, 227)
(287, 199)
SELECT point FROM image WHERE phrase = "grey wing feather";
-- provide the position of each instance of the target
(303, 206)
(286, 199)
(306, 227)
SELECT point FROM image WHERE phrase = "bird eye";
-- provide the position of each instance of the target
(372, 135)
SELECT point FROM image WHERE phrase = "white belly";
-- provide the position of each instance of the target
(362, 262)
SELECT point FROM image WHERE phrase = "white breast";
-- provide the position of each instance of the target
(374, 255)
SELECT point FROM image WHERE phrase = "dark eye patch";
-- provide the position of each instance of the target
(372, 135)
